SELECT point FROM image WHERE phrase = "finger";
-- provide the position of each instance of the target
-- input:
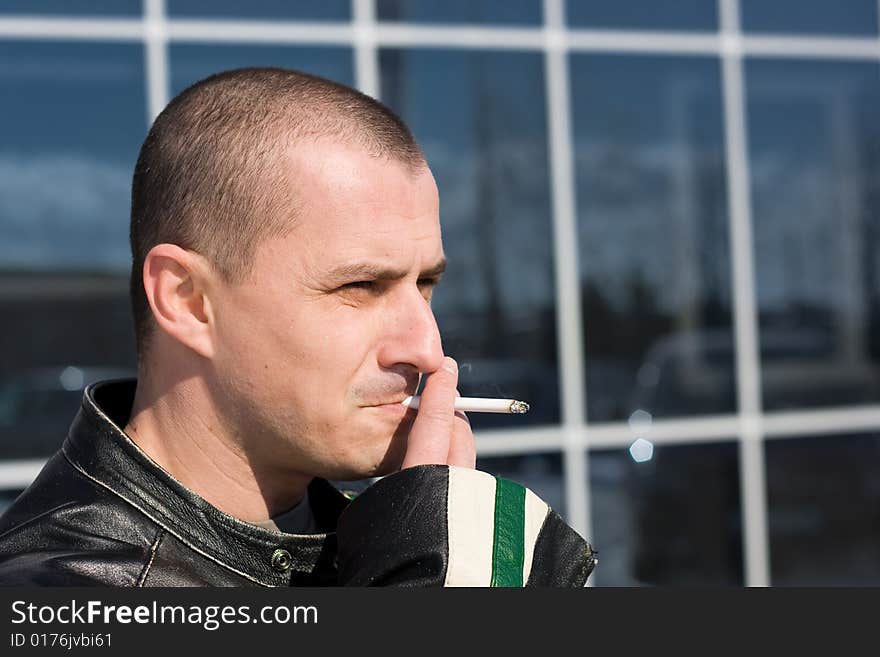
(432, 429)
(462, 449)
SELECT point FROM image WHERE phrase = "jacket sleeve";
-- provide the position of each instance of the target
(438, 525)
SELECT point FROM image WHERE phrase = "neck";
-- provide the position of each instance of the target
(178, 427)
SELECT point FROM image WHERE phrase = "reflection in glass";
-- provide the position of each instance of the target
(38, 403)
(113, 8)
(73, 120)
(191, 63)
(814, 147)
(74, 117)
(671, 520)
(510, 12)
(643, 14)
(823, 499)
(261, 9)
(825, 17)
(653, 238)
(542, 473)
(480, 119)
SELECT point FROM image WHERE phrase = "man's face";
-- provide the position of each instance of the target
(334, 327)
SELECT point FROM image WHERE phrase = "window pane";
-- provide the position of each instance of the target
(38, 402)
(73, 120)
(672, 519)
(191, 63)
(73, 7)
(814, 145)
(261, 9)
(486, 143)
(823, 496)
(643, 14)
(542, 473)
(74, 117)
(652, 219)
(516, 12)
(856, 17)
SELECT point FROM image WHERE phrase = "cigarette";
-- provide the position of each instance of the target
(478, 405)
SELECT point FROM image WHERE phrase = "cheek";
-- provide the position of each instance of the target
(300, 349)
(323, 355)
(348, 333)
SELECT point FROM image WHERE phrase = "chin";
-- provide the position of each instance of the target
(372, 452)
(385, 462)
(376, 460)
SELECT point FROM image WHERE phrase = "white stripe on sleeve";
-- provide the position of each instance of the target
(470, 523)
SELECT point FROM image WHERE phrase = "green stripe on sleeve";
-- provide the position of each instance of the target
(509, 538)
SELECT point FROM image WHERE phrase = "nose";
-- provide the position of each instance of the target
(411, 336)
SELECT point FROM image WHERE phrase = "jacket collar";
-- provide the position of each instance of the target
(97, 447)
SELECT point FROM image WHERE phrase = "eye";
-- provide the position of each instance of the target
(360, 285)
(427, 285)
(361, 288)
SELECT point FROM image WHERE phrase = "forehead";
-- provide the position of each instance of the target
(350, 204)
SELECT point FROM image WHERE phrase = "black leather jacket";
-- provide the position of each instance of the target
(101, 512)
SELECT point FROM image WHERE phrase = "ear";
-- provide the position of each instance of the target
(177, 282)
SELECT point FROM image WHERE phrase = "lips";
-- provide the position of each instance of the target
(390, 405)
(392, 408)
(391, 402)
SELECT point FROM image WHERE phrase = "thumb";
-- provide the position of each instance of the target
(432, 430)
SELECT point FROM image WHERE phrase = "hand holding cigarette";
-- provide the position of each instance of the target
(440, 434)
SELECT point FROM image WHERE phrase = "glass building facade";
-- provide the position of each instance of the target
(662, 219)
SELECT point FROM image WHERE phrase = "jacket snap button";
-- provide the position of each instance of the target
(281, 560)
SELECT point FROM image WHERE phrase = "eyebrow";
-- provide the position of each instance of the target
(375, 271)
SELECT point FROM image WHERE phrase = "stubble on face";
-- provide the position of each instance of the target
(309, 357)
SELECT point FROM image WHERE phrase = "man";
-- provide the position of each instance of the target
(286, 242)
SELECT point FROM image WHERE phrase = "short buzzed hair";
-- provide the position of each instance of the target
(209, 176)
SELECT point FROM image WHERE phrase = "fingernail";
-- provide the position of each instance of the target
(450, 365)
